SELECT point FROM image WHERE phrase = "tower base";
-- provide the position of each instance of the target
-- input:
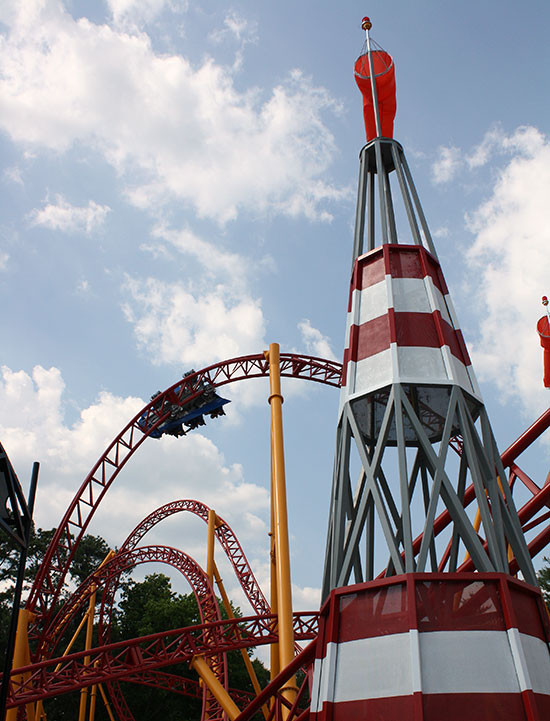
(430, 646)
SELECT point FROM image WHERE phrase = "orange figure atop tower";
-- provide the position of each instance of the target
(377, 64)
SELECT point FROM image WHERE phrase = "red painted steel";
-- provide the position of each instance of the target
(107, 577)
(233, 550)
(49, 580)
(121, 660)
(226, 537)
(425, 616)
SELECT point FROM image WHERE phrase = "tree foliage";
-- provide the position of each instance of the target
(543, 577)
(143, 607)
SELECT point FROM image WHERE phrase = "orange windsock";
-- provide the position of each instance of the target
(384, 75)
(543, 328)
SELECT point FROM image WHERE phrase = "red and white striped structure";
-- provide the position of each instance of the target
(407, 641)
(433, 647)
(401, 325)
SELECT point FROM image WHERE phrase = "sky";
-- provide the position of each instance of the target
(178, 188)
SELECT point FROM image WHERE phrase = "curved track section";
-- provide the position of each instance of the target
(122, 660)
(108, 576)
(234, 552)
(60, 553)
(227, 539)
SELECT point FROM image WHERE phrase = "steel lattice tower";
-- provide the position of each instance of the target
(408, 391)
(421, 618)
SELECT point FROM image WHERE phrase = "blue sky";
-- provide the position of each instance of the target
(178, 187)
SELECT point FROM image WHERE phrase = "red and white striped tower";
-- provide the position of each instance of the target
(415, 637)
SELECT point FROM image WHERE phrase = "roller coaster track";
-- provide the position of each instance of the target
(234, 553)
(49, 580)
(131, 660)
(227, 539)
(122, 660)
(107, 576)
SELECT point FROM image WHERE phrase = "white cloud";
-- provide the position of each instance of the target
(315, 342)
(4, 257)
(68, 218)
(175, 325)
(170, 129)
(14, 175)
(447, 164)
(237, 28)
(215, 262)
(137, 11)
(510, 257)
(32, 427)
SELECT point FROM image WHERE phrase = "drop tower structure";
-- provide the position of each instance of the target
(434, 625)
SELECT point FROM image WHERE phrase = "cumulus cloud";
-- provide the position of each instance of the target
(69, 218)
(176, 326)
(238, 28)
(448, 162)
(214, 260)
(170, 129)
(315, 342)
(137, 11)
(33, 427)
(510, 258)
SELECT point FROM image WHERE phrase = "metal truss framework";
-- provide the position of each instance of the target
(238, 560)
(49, 580)
(353, 512)
(540, 499)
(122, 660)
(127, 442)
(108, 576)
(227, 539)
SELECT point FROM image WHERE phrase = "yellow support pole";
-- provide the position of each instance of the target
(210, 545)
(214, 686)
(106, 702)
(282, 550)
(87, 647)
(274, 666)
(21, 657)
(477, 524)
(246, 658)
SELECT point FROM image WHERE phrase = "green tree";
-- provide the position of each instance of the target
(543, 577)
(144, 608)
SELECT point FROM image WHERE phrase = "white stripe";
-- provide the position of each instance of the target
(467, 662)
(405, 295)
(373, 668)
(406, 364)
(410, 296)
(369, 303)
(450, 662)
(416, 664)
(537, 659)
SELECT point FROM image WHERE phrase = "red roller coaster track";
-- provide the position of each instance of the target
(135, 659)
(122, 660)
(49, 580)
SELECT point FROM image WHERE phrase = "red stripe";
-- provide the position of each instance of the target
(463, 349)
(542, 702)
(420, 330)
(370, 338)
(399, 261)
(473, 706)
(375, 709)
(379, 612)
(435, 707)
(522, 610)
